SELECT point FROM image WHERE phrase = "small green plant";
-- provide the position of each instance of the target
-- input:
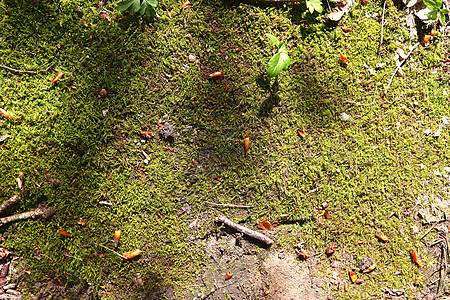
(280, 61)
(314, 5)
(142, 7)
(437, 12)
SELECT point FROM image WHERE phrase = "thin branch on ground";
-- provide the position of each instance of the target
(25, 71)
(229, 205)
(114, 252)
(382, 25)
(245, 230)
(41, 211)
(8, 203)
(399, 66)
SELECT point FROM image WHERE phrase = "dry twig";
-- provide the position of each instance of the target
(399, 66)
(382, 25)
(41, 211)
(25, 71)
(13, 200)
(245, 230)
(229, 205)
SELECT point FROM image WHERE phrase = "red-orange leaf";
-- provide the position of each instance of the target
(344, 59)
(228, 275)
(246, 144)
(117, 234)
(147, 134)
(327, 214)
(217, 74)
(265, 225)
(346, 29)
(370, 269)
(331, 248)
(6, 114)
(57, 77)
(352, 275)
(417, 281)
(64, 233)
(186, 4)
(346, 287)
(415, 258)
(301, 133)
(382, 237)
(131, 254)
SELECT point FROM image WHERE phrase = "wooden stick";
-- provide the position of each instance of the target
(41, 211)
(229, 205)
(382, 25)
(114, 252)
(25, 71)
(249, 232)
(399, 66)
(13, 200)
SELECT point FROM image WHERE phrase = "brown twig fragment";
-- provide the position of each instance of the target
(13, 200)
(229, 205)
(399, 66)
(41, 211)
(244, 230)
(382, 25)
(25, 71)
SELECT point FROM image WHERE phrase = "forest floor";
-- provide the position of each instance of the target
(336, 160)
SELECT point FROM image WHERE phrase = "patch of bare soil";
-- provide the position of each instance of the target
(257, 273)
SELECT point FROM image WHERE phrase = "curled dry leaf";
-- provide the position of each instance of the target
(331, 248)
(359, 280)
(415, 258)
(382, 237)
(228, 275)
(246, 144)
(265, 293)
(301, 133)
(417, 281)
(217, 74)
(57, 77)
(264, 224)
(352, 275)
(303, 254)
(327, 214)
(346, 287)
(425, 40)
(6, 114)
(147, 134)
(370, 268)
(186, 4)
(132, 254)
(346, 29)
(64, 233)
(344, 59)
(4, 253)
(117, 234)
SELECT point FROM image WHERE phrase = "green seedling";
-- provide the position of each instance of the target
(143, 7)
(314, 5)
(437, 12)
(280, 61)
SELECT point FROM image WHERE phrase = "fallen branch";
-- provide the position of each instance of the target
(8, 203)
(41, 211)
(25, 71)
(244, 230)
(114, 252)
(399, 66)
(229, 205)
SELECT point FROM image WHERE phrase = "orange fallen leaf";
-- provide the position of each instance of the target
(186, 4)
(131, 254)
(425, 39)
(217, 74)
(264, 224)
(6, 114)
(352, 275)
(301, 133)
(266, 293)
(117, 234)
(344, 59)
(327, 214)
(417, 281)
(331, 248)
(82, 222)
(64, 233)
(246, 144)
(57, 77)
(370, 269)
(346, 29)
(303, 254)
(346, 287)
(359, 280)
(382, 237)
(415, 258)
(228, 275)
(433, 32)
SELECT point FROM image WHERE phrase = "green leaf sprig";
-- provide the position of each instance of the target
(143, 7)
(436, 12)
(280, 61)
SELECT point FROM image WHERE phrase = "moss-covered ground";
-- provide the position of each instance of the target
(371, 169)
